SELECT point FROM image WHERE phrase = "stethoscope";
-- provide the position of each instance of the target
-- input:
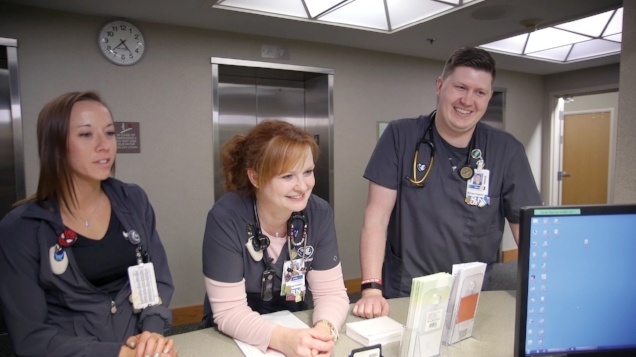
(258, 243)
(466, 172)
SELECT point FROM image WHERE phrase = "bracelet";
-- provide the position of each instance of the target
(332, 329)
(372, 285)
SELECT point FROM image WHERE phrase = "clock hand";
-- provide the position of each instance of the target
(124, 43)
(121, 42)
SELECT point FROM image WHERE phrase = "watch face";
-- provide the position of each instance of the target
(121, 42)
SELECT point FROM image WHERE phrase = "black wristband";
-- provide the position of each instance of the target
(372, 285)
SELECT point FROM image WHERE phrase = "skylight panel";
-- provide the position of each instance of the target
(592, 26)
(293, 8)
(370, 15)
(514, 44)
(363, 13)
(404, 13)
(551, 38)
(616, 24)
(558, 54)
(594, 48)
(317, 7)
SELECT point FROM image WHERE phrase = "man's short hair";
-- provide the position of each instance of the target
(470, 57)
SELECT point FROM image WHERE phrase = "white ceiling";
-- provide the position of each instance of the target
(476, 24)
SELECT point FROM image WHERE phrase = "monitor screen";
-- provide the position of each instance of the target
(577, 281)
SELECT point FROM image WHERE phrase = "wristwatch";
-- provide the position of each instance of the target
(371, 285)
(332, 329)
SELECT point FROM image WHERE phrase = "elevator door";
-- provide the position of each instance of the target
(246, 95)
(11, 159)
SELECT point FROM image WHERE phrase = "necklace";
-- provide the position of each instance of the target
(87, 222)
(278, 233)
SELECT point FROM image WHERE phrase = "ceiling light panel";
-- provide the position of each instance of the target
(404, 13)
(559, 54)
(551, 38)
(317, 7)
(512, 45)
(590, 26)
(616, 24)
(593, 48)
(362, 13)
(373, 15)
(595, 36)
(293, 8)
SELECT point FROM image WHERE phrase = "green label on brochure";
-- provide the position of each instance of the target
(557, 212)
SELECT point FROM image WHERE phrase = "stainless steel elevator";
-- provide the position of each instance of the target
(12, 186)
(244, 93)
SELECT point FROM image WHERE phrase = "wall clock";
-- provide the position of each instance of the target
(121, 42)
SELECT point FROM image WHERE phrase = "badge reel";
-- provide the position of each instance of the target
(57, 256)
(267, 285)
(143, 283)
(257, 245)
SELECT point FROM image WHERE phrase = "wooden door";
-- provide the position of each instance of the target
(585, 158)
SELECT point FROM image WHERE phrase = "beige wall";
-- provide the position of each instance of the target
(592, 102)
(625, 182)
(169, 93)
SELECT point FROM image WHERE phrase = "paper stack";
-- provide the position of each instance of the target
(427, 310)
(283, 318)
(460, 316)
(379, 330)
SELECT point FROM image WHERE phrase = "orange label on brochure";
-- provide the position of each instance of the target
(467, 307)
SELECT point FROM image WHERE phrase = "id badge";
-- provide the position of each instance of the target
(143, 286)
(293, 286)
(477, 188)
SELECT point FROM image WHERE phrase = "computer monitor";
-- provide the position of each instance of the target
(576, 293)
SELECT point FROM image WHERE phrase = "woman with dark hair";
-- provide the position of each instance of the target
(83, 270)
(268, 238)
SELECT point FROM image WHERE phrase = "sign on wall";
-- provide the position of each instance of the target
(128, 138)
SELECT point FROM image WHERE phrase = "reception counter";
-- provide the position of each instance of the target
(493, 334)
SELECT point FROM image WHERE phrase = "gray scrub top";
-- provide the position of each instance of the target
(431, 227)
(226, 259)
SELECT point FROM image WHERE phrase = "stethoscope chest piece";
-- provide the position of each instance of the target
(257, 255)
(466, 172)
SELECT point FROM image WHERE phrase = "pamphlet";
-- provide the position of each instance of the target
(283, 318)
(462, 306)
(427, 309)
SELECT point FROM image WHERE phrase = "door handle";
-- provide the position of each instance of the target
(562, 174)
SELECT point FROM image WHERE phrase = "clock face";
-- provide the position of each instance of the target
(121, 42)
